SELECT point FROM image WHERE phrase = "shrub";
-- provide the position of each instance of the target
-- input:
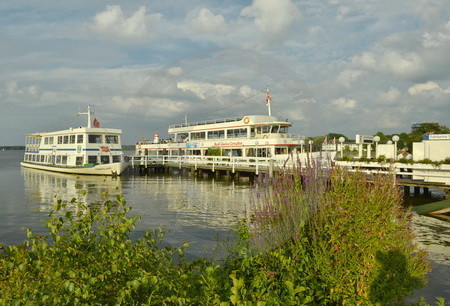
(351, 239)
(364, 160)
(91, 259)
(346, 158)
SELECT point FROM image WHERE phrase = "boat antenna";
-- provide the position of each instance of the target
(88, 113)
(268, 98)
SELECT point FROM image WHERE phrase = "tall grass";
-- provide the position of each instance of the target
(354, 235)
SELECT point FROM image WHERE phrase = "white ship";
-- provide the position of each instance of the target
(244, 136)
(83, 150)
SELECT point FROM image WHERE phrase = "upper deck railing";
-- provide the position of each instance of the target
(213, 121)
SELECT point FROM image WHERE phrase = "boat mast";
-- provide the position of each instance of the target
(88, 113)
(268, 100)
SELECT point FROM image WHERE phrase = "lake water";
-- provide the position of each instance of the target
(192, 209)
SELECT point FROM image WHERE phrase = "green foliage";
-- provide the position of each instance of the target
(91, 259)
(405, 161)
(214, 151)
(364, 159)
(354, 247)
(346, 158)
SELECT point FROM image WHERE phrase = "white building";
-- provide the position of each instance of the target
(433, 146)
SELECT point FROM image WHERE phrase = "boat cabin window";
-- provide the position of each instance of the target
(116, 159)
(216, 134)
(252, 132)
(72, 139)
(42, 158)
(235, 133)
(104, 159)
(95, 138)
(198, 135)
(282, 150)
(50, 140)
(58, 159)
(79, 161)
(79, 138)
(112, 139)
(64, 160)
(60, 139)
(92, 159)
(182, 137)
(283, 129)
(66, 139)
(46, 140)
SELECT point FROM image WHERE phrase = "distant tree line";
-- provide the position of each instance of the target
(12, 148)
(406, 140)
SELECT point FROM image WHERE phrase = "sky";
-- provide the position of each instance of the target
(341, 66)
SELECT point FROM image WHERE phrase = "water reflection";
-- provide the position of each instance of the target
(46, 188)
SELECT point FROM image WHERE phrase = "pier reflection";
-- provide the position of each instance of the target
(46, 188)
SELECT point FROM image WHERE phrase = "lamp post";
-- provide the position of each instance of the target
(310, 145)
(395, 138)
(376, 139)
(302, 143)
(341, 140)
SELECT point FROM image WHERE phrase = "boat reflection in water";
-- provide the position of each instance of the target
(46, 188)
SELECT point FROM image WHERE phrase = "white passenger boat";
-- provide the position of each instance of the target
(83, 150)
(243, 136)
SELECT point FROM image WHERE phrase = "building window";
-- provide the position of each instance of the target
(60, 139)
(66, 139)
(92, 159)
(112, 139)
(79, 138)
(95, 138)
(72, 139)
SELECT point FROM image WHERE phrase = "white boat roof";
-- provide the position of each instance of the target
(253, 120)
(80, 130)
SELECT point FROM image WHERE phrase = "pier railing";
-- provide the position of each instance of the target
(438, 174)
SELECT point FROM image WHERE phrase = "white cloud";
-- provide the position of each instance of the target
(391, 97)
(247, 91)
(113, 23)
(152, 106)
(428, 88)
(175, 71)
(344, 104)
(204, 90)
(207, 22)
(272, 18)
(348, 77)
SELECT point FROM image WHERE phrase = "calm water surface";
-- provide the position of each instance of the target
(193, 210)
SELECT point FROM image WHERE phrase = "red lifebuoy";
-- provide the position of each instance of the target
(246, 120)
(265, 136)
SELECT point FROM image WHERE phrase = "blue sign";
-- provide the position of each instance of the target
(191, 145)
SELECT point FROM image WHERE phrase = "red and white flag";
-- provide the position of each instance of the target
(96, 123)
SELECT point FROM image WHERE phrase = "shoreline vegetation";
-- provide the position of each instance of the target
(313, 236)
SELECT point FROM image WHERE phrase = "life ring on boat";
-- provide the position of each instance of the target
(139, 145)
(265, 136)
(246, 120)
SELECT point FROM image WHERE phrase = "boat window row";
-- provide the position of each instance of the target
(72, 139)
(79, 160)
(234, 133)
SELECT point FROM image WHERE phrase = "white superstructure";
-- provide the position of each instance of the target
(245, 136)
(83, 150)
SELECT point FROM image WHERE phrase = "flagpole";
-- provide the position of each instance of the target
(88, 113)
(268, 100)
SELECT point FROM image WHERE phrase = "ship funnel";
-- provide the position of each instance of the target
(156, 139)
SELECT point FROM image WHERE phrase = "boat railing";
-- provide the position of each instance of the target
(213, 121)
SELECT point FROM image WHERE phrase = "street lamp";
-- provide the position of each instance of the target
(302, 143)
(310, 146)
(395, 138)
(341, 140)
(376, 139)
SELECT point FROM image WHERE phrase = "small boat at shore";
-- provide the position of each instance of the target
(90, 150)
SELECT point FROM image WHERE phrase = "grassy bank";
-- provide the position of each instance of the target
(313, 236)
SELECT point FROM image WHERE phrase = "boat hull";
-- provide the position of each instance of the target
(105, 169)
